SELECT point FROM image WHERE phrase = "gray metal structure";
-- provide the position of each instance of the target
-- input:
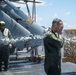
(21, 18)
(18, 24)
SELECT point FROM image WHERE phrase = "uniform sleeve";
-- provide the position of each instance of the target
(9, 35)
(51, 39)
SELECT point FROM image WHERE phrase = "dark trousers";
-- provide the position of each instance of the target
(4, 56)
(54, 67)
(54, 71)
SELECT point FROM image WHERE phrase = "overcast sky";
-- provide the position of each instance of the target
(50, 9)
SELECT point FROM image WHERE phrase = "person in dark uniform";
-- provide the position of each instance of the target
(53, 43)
(4, 45)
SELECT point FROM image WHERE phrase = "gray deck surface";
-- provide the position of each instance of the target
(22, 68)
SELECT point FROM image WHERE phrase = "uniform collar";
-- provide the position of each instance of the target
(56, 34)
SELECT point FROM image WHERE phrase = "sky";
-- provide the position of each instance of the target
(50, 9)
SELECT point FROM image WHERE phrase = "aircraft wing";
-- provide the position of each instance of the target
(14, 0)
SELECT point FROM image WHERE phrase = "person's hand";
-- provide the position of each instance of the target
(10, 46)
(60, 36)
(60, 29)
